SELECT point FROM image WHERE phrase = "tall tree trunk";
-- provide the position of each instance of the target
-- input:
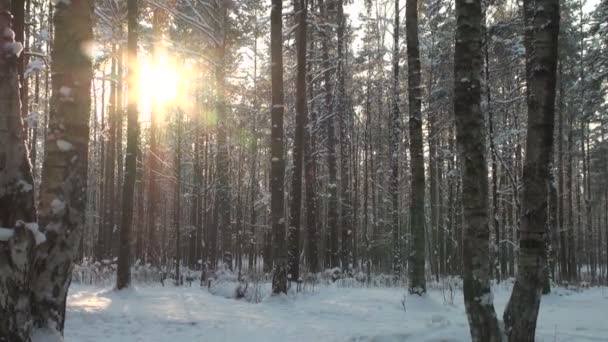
(563, 250)
(435, 170)
(178, 198)
(19, 11)
(222, 201)
(16, 198)
(152, 252)
(542, 22)
(277, 162)
(395, 140)
(550, 238)
(333, 257)
(493, 151)
(123, 273)
(293, 233)
(343, 115)
(198, 188)
(110, 164)
(101, 235)
(569, 199)
(417, 254)
(366, 160)
(120, 158)
(471, 139)
(63, 187)
(254, 153)
(310, 164)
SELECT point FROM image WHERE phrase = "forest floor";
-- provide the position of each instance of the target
(327, 313)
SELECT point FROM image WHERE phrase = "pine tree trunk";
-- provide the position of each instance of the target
(569, 199)
(110, 165)
(333, 259)
(551, 236)
(277, 162)
(310, 164)
(222, 201)
(494, 210)
(123, 278)
(417, 256)
(254, 154)
(343, 115)
(198, 183)
(178, 198)
(120, 157)
(563, 250)
(152, 251)
(395, 139)
(293, 232)
(542, 21)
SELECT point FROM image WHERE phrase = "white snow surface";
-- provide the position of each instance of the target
(329, 313)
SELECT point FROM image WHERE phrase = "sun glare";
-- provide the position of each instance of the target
(162, 82)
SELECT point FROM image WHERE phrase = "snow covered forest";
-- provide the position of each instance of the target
(303, 170)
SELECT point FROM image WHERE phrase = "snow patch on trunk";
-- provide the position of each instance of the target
(6, 234)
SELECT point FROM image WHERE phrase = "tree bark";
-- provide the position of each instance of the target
(123, 278)
(542, 27)
(64, 176)
(277, 162)
(293, 233)
(417, 254)
(222, 200)
(395, 139)
(16, 198)
(152, 252)
(343, 115)
(310, 164)
(471, 138)
(563, 250)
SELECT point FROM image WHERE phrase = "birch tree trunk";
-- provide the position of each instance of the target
(470, 131)
(542, 26)
(64, 175)
(16, 197)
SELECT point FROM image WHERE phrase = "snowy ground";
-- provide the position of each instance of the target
(330, 313)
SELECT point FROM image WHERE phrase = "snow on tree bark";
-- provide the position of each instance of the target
(64, 174)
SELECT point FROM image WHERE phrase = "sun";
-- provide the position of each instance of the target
(161, 82)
